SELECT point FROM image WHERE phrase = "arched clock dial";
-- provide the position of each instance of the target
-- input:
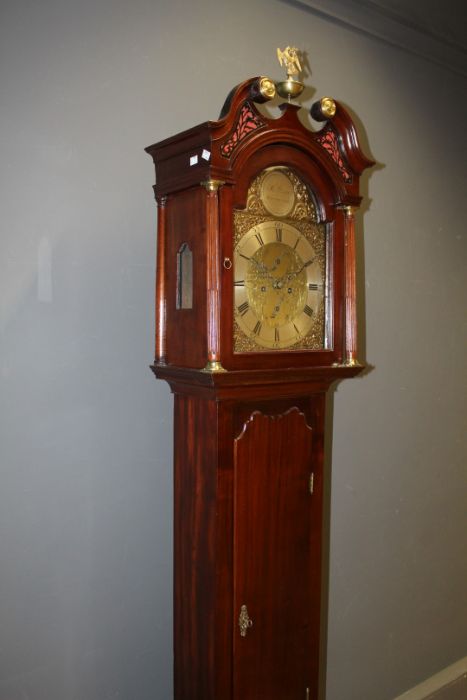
(279, 286)
(280, 273)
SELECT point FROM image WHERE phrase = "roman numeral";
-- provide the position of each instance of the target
(313, 287)
(308, 310)
(257, 328)
(243, 308)
(296, 243)
(279, 234)
(239, 283)
(259, 238)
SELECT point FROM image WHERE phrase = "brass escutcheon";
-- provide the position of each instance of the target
(244, 621)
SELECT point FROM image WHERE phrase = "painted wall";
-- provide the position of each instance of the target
(85, 489)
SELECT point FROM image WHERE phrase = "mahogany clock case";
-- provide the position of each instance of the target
(248, 426)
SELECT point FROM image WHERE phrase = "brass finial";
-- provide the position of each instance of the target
(328, 107)
(267, 88)
(289, 59)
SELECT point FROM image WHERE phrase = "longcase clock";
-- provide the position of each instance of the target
(255, 297)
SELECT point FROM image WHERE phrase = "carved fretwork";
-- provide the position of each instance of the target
(248, 121)
(329, 141)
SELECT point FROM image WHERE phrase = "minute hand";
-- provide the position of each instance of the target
(306, 264)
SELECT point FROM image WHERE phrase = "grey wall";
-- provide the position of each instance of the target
(85, 484)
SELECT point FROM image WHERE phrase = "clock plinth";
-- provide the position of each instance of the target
(255, 299)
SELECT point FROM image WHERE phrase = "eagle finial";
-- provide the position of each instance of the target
(289, 59)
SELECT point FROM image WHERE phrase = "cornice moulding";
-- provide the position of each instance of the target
(382, 23)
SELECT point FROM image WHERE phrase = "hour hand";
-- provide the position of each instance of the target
(262, 267)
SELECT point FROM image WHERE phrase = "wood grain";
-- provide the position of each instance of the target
(273, 558)
(186, 343)
(195, 477)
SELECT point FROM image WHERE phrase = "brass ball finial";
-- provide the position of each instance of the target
(328, 107)
(267, 88)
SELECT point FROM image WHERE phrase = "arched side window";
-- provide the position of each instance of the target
(184, 277)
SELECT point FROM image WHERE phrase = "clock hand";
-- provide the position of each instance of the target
(289, 275)
(305, 264)
(265, 271)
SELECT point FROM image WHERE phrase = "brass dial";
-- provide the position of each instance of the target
(278, 285)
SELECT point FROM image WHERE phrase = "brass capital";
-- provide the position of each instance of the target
(213, 366)
(348, 209)
(352, 362)
(212, 185)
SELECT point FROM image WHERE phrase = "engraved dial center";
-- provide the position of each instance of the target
(276, 284)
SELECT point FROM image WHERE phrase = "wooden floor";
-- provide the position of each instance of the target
(457, 690)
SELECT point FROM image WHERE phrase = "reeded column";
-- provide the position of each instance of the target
(213, 275)
(160, 355)
(350, 288)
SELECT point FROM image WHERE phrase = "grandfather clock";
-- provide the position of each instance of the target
(255, 298)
